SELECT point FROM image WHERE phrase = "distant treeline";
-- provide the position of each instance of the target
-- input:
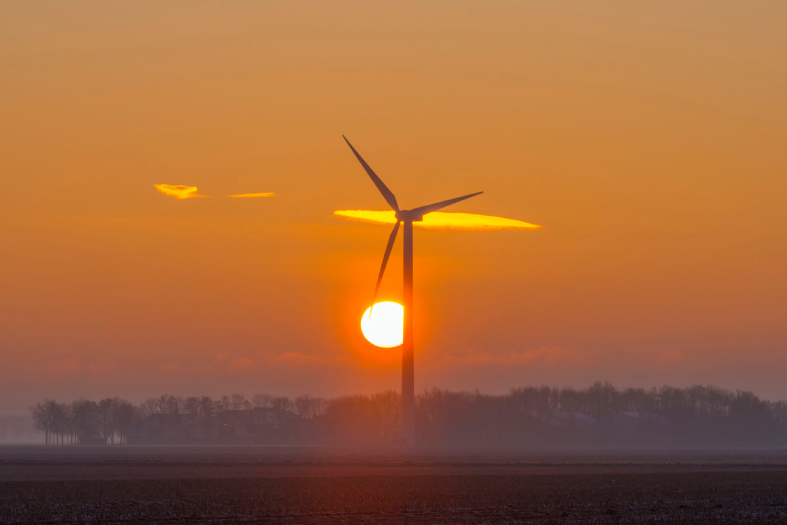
(697, 415)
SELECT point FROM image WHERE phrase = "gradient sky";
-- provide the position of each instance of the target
(647, 139)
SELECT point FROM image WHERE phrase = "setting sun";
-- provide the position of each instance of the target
(384, 326)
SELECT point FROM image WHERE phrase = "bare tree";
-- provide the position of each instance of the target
(374, 418)
(239, 402)
(222, 404)
(125, 418)
(107, 413)
(309, 407)
(59, 422)
(206, 407)
(74, 421)
(261, 400)
(778, 411)
(281, 405)
(148, 407)
(173, 407)
(43, 417)
(69, 427)
(191, 406)
(303, 406)
(320, 406)
(85, 418)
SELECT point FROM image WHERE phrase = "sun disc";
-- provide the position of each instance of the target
(385, 326)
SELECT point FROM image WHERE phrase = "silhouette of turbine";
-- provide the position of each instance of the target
(407, 217)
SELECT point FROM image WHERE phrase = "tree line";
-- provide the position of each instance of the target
(113, 418)
(443, 416)
(697, 415)
(82, 419)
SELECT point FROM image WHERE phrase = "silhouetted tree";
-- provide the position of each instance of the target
(86, 421)
(107, 412)
(281, 405)
(778, 411)
(261, 400)
(206, 407)
(43, 417)
(223, 404)
(309, 407)
(148, 407)
(239, 402)
(125, 417)
(59, 422)
(370, 419)
(191, 407)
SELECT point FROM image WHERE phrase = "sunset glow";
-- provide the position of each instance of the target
(440, 220)
(384, 326)
(632, 220)
(180, 192)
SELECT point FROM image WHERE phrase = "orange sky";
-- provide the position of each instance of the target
(648, 140)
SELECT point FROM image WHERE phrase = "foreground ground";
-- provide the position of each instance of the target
(304, 486)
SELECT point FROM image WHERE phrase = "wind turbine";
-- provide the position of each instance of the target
(406, 217)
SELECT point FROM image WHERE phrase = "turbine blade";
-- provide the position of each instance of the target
(388, 249)
(387, 194)
(423, 210)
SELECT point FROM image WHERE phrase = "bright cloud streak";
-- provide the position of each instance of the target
(181, 192)
(252, 195)
(440, 220)
(178, 191)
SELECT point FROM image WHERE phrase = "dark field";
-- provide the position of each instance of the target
(287, 485)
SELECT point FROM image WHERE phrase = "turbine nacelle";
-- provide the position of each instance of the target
(409, 216)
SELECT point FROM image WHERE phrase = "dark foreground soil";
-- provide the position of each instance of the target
(413, 491)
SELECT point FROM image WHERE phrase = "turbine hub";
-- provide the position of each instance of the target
(409, 216)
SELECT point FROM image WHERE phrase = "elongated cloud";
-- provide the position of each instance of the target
(252, 195)
(440, 220)
(181, 192)
(178, 191)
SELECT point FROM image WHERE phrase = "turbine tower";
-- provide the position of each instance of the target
(407, 218)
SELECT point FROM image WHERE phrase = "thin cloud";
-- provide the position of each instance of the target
(66, 367)
(180, 192)
(252, 195)
(241, 364)
(440, 220)
(72, 367)
(298, 358)
(541, 358)
(222, 363)
(171, 369)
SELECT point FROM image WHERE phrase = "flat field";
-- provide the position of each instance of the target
(125, 484)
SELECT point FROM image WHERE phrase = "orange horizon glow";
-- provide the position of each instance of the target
(440, 220)
(644, 136)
